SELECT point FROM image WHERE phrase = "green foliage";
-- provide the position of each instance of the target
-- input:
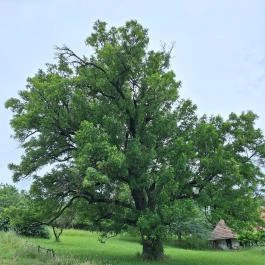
(114, 131)
(193, 242)
(4, 224)
(187, 218)
(18, 213)
(9, 196)
(252, 238)
(30, 230)
(24, 220)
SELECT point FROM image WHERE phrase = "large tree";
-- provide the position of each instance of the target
(113, 130)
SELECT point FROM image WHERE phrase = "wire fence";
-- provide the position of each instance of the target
(42, 250)
(49, 251)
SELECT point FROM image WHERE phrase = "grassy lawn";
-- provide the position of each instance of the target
(79, 246)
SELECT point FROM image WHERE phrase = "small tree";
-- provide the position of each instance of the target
(189, 219)
(114, 131)
(63, 221)
(24, 218)
(9, 196)
(57, 231)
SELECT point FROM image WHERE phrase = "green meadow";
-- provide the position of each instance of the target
(82, 247)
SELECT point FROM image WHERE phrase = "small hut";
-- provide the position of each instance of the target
(223, 237)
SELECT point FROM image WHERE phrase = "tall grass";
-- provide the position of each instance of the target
(15, 250)
(81, 247)
(125, 250)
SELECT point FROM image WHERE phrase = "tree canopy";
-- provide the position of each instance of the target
(111, 128)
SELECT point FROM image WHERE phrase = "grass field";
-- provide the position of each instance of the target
(80, 247)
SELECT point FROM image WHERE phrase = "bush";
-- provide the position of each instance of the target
(252, 238)
(23, 219)
(192, 243)
(4, 224)
(32, 230)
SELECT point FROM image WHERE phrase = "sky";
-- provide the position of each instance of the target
(219, 52)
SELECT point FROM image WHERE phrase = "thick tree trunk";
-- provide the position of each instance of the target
(152, 249)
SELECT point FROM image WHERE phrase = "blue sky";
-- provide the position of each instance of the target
(219, 50)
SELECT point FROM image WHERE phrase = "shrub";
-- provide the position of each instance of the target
(192, 242)
(32, 230)
(4, 224)
(252, 238)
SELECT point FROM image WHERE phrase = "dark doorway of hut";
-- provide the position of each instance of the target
(229, 243)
